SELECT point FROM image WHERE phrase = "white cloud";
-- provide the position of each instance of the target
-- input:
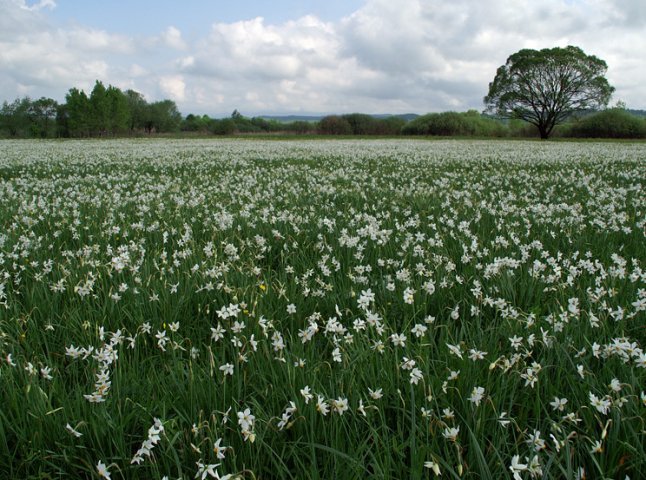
(410, 55)
(137, 70)
(451, 50)
(38, 6)
(173, 38)
(174, 87)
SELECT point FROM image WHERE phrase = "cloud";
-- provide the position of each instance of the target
(172, 37)
(253, 49)
(452, 50)
(174, 87)
(38, 6)
(411, 55)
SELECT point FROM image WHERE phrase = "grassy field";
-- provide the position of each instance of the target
(322, 309)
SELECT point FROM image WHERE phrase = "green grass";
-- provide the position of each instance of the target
(166, 234)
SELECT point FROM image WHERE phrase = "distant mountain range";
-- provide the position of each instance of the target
(316, 118)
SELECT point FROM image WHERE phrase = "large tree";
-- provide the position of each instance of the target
(544, 87)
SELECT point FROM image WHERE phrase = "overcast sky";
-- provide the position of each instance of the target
(291, 56)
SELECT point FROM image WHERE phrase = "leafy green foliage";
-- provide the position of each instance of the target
(226, 126)
(470, 123)
(360, 124)
(611, 123)
(335, 125)
(544, 87)
(107, 111)
(29, 118)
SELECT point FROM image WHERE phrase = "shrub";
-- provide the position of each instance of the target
(334, 125)
(454, 123)
(226, 126)
(611, 123)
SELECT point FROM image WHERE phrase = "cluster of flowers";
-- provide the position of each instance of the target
(451, 272)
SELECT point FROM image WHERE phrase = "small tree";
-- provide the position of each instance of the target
(544, 87)
(99, 110)
(44, 112)
(78, 113)
(119, 110)
(334, 125)
(139, 111)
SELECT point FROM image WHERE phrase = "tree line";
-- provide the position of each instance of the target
(106, 111)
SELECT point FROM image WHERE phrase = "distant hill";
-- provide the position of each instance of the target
(404, 116)
(291, 118)
(315, 118)
(639, 113)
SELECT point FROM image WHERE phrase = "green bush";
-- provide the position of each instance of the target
(470, 123)
(226, 126)
(611, 123)
(363, 124)
(334, 125)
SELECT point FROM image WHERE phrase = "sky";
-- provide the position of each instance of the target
(306, 57)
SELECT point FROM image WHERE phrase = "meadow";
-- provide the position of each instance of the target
(349, 309)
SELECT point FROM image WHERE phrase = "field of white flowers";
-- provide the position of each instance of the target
(327, 309)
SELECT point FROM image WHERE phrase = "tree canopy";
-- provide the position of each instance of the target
(544, 87)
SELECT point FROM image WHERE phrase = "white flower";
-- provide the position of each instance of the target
(321, 406)
(534, 467)
(361, 409)
(451, 433)
(516, 342)
(454, 375)
(204, 471)
(415, 376)
(476, 354)
(455, 350)
(409, 296)
(601, 404)
(365, 299)
(46, 373)
(399, 340)
(419, 330)
(246, 419)
(307, 395)
(504, 420)
(477, 395)
(615, 385)
(72, 431)
(336, 355)
(102, 470)
(516, 467)
(219, 450)
(377, 394)
(434, 467)
(536, 441)
(407, 363)
(558, 403)
(217, 333)
(340, 405)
